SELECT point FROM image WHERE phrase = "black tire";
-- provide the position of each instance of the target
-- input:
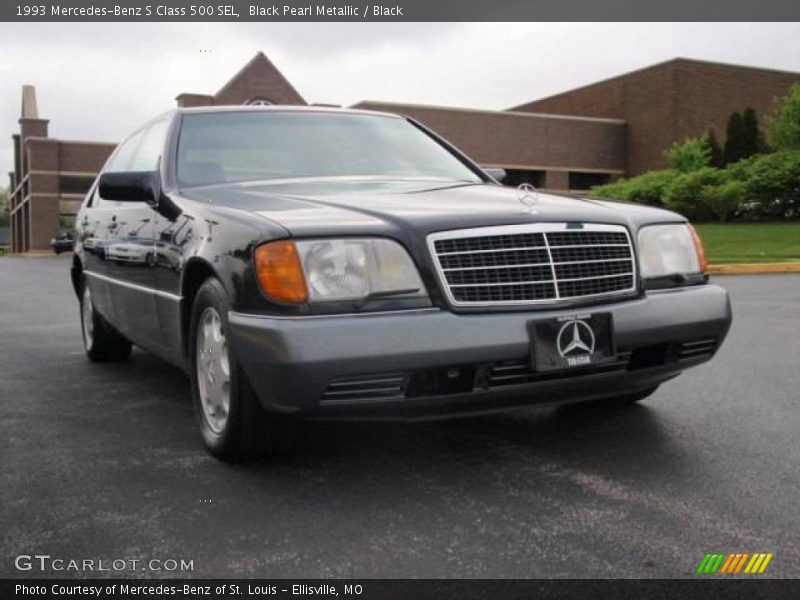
(245, 430)
(100, 340)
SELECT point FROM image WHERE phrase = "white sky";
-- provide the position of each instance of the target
(97, 81)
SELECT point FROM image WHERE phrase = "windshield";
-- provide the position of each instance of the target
(254, 146)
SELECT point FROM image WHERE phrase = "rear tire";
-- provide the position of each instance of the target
(101, 341)
(233, 424)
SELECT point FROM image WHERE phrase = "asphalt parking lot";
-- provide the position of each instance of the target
(104, 461)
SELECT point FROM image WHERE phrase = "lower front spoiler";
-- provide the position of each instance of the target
(478, 402)
(436, 364)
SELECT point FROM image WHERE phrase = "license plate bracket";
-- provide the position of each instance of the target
(572, 341)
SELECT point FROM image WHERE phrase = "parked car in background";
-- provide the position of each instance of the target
(64, 242)
(328, 263)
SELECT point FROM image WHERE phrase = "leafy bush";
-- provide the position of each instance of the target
(724, 199)
(783, 128)
(772, 183)
(692, 154)
(701, 195)
(647, 188)
(687, 193)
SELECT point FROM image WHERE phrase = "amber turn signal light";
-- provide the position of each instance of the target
(701, 251)
(280, 273)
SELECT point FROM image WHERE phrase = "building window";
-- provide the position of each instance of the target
(586, 181)
(515, 177)
(258, 102)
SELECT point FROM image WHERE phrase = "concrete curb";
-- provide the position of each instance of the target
(36, 254)
(755, 268)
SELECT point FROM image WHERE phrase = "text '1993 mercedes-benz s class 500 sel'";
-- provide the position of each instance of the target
(330, 263)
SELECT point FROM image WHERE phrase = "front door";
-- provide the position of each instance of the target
(130, 248)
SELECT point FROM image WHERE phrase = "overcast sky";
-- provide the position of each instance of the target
(98, 81)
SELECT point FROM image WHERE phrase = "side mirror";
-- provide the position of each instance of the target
(495, 173)
(131, 186)
(138, 186)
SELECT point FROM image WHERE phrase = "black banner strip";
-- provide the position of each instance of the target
(400, 10)
(402, 589)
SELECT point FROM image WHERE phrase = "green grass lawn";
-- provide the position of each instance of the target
(750, 242)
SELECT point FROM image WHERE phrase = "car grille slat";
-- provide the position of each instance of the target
(537, 263)
(583, 253)
(499, 275)
(491, 243)
(520, 372)
(698, 349)
(499, 258)
(386, 386)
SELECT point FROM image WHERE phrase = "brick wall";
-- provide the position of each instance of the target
(523, 141)
(669, 102)
(707, 95)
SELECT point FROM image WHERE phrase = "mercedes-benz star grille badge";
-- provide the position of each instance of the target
(528, 196)
(575, 337)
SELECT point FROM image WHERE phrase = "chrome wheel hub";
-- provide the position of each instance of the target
(87, 311)
(213, 370)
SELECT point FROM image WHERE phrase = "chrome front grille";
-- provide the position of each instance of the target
(536, 263)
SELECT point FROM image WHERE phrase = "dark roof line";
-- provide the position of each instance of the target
(659, 65)
(228, 108)
(525, 114)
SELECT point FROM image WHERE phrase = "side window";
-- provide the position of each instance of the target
(140, 152)
(149, 151)
(123, 158)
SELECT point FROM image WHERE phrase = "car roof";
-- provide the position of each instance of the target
(283, 108)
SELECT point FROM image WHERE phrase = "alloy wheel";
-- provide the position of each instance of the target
(213, 370)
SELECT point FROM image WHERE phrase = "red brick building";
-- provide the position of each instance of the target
(571, 141)
(669, 102)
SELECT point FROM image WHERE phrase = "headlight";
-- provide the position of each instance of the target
(670, 250)
(342, 269)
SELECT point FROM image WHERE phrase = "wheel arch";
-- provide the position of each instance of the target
(76, 274)
(196, 271)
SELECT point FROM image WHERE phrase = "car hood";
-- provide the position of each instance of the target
(330, 207)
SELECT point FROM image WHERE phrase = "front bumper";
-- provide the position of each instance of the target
(432, 362)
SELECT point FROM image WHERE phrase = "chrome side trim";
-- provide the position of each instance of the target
(383, 313)
(135, 286)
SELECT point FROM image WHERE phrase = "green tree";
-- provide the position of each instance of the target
(750, 133)
(716, 158)
(692, 154)
(4, 218)
(783, 126)
(734, 149)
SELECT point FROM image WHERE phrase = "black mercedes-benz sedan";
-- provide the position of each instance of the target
(327, 263)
